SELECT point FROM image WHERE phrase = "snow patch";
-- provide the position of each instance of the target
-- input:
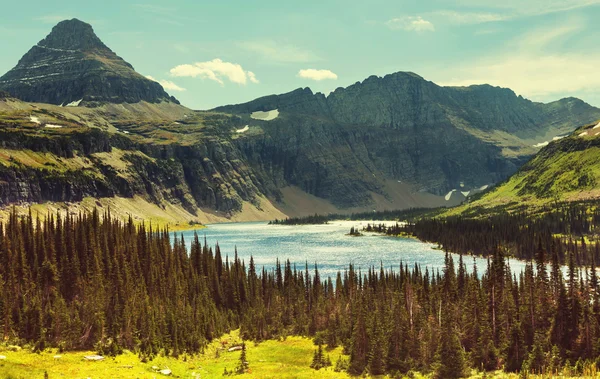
(244, 129)
(462, 184)
(483, 188)
(465, 194)
(35, 120)
(449, 195)
(75, 103)
(53, 126)
(583, 134)
(265, 116)
(557, 138)
(541, 144)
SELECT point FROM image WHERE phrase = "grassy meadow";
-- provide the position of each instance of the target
(288, 358)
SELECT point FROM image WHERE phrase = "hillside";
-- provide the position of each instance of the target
(567, 169)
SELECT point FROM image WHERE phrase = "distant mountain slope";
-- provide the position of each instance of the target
(345, 146)
(565, 170)
(72, 65)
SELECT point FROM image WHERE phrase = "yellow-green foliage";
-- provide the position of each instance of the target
(42, 160)
(559, 176)
(289, 358)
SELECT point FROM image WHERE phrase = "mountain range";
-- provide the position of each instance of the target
(80, 127)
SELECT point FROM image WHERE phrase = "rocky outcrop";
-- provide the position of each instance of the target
(71, 65)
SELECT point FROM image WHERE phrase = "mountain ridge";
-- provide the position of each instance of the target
(387, 142)
(401, 127)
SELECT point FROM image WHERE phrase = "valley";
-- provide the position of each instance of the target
(134, 241)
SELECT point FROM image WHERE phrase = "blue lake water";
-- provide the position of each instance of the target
(326, 245)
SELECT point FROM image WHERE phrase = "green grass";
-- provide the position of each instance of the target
(567, 170)
(288, 358)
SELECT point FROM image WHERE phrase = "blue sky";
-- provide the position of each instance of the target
(230, 51)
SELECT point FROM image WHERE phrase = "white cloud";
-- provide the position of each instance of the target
(167, 84)
(280, 53)
(215, 70)
(252, 77)
(410, 23)
(317, 75)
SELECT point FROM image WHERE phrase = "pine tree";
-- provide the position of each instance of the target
(243, 365)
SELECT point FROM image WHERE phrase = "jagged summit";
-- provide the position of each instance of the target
(73, 66)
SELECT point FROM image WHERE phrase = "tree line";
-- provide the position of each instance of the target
(568, 228)
(317, 219)
(92, 282)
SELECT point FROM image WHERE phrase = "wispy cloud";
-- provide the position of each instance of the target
(532, 65)
(317, 75)
(410, 23)
(507, 9)
(279, 52)
(167, 84)
(215, 70)
(529, 8)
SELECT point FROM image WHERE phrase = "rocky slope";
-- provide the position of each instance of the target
(72, 65)
(344, 147)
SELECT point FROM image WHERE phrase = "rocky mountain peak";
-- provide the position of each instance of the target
(73, 66)
(73, 35)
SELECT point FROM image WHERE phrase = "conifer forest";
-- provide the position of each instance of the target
(92, 282)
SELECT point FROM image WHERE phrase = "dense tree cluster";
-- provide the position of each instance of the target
(306, 220)
(92, 282)
(316, 219)
(568, 228)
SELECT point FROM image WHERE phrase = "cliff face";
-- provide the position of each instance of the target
(92, 163)
(402, 128)
(71, 65)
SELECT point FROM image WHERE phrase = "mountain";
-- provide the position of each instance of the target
(72, 65)
(567, 169)
(123, 143)
(352, 145)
